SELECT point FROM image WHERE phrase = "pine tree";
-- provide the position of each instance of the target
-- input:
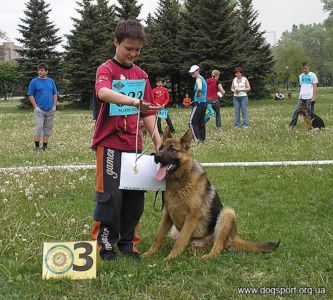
(209, 38)
(39, 43)
(128, 9)
(258, 60)
(88, 45)
(160, 56)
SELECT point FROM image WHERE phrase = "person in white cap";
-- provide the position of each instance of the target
(197, 117)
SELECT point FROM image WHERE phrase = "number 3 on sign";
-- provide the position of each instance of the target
(74, 260)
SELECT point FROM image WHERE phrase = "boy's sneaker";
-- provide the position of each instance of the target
(108, 255)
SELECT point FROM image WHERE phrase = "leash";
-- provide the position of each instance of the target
(154, 205)
(137, 156)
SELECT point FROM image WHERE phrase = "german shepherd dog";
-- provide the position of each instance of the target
(311, 120)
(192, 205)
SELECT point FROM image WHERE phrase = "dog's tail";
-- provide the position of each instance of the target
(240, 244)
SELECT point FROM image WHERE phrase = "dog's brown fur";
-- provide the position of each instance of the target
(192, 206)
(307, 118)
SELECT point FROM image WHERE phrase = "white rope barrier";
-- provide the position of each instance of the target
(224, 164)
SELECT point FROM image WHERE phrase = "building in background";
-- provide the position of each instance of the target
(9, 51)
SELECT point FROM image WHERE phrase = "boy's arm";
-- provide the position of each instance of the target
(109, 96)
(149, 123)
(32, 101)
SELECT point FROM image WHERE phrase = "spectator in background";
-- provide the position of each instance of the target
(161, 99)
(43, 96)
(187, 101)
(197, 117)
(214, 89)
(240, 86)
(307, 94)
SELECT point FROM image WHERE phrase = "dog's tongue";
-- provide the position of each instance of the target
(161, 173)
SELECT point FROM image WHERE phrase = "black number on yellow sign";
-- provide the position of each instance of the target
(85, 256)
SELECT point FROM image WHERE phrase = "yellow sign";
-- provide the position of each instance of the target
(73, 260)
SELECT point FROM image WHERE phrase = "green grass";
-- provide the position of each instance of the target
(292, 204)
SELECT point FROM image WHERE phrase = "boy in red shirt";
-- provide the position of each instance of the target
(161, 99)
(117, 212)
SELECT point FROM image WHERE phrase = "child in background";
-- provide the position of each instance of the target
(161, 99)
(187, 101)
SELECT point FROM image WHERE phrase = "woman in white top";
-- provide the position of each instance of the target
(240, 86)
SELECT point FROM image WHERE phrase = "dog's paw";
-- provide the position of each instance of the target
(146, 254)
(205, 257)
(170, 257)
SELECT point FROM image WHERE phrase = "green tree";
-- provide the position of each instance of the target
(209, 37)
(9, 75)
(328, 6)
(328, 47)
(39, 40)
(160, 56)
(314, 41)
(88, 45)
(289, 57)
(257, 58)
(128, 9)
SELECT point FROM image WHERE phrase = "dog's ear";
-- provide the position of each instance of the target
(186, 139)
(167, 133)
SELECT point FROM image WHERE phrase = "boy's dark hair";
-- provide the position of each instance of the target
(43, 66)
(129, 29)
(158, 79)
(304, 64)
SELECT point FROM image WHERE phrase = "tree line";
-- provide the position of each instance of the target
(215, 34)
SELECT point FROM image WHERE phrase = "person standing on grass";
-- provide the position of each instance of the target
(197, 117)
(240, 86)
(42, 94)
(308, 82)
(161, 99)
(214, 86)
(117, 212)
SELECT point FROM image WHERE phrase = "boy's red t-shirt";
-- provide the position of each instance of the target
(161, 96)
(118, 132)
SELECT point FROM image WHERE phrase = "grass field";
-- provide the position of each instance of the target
(293, 204)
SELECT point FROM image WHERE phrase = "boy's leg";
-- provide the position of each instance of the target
(108, 201)
(131, 212)
(48, 126)
(312, 106)
(169, 122)
(294, 117)
(39, 121)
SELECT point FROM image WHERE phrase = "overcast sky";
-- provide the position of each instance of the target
(274, 16)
